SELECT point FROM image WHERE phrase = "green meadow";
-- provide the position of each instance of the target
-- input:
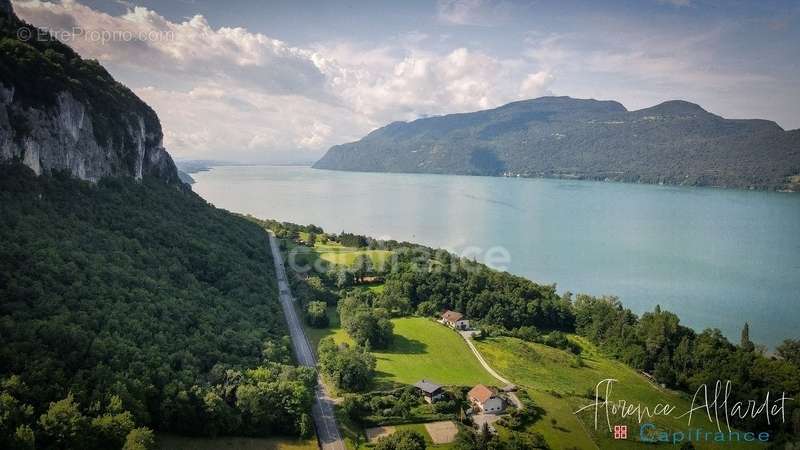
(560, 384)
(337, 254)
(345, 256)
(422, 348)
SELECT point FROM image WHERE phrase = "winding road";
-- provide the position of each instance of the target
(322, 410)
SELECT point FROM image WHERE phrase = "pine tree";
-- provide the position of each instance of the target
(747, 344)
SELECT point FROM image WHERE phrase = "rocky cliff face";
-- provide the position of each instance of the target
(60, 112)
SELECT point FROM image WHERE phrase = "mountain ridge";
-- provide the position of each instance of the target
(61, 112)
(674, 142)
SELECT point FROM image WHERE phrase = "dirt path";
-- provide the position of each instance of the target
(467, 335)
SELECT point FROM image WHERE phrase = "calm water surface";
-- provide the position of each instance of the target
(717, 258)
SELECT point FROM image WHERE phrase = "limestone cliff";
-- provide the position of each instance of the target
(61, 112)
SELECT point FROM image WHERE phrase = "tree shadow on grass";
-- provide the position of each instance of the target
(404, 346)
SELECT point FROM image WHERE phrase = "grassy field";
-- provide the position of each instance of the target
(426, 349)
(173, 442)
(337, 254)
(558, 384)
(345, 256)
(421, 349)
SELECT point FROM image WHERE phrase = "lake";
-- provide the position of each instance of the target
(715, 257)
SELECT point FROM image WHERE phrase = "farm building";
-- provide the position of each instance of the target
(455, 319)
(431, 392)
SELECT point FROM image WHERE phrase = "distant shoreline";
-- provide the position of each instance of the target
(567, 178)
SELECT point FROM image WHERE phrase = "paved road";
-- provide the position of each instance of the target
(322, 410)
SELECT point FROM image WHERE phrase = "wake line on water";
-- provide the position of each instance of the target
(491, 200)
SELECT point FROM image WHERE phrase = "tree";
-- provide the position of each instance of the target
(361, 267)
(349, 368)
(466, 439)
(354, 408)
(525, 441)
(746, 344)
(24, 438)
(371, 327)
(140, 439)
(402, 440)
(63, 425)
(366, 324)
(111, 428)
(790, 351)
(221, 417)
(317, 314)
(343, 279)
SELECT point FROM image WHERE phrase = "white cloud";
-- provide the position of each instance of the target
(191, 49)
(641, 67)
(236, 94)
(229, 93)
(427, 83)
(535, 84)
(227, 122)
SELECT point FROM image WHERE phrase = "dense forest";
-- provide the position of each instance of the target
(419, 280)
(126, 305)
(675, 142)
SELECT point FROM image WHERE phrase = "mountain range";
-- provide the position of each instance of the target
(675, 142)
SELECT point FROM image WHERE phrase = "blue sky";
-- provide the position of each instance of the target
(284, 80)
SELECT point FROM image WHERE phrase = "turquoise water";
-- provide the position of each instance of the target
(717, 258)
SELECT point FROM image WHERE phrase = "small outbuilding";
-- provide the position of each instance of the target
(431, 392)
(455, 320)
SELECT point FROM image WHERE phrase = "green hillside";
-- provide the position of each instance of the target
(561, 384)
(137, 304)
(675, 142)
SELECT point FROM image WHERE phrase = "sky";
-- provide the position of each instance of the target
(282, 81)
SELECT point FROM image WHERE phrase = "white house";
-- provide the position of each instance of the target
(455, 320)
(486, 400)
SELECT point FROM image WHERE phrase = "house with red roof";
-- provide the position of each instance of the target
(455, 320)
(486, 400)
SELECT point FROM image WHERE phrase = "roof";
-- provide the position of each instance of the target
(480, 393)
(427, 387)
(452, 316)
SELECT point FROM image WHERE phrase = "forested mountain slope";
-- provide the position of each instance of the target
(126, 301)
(675, 142)
(136, 304)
